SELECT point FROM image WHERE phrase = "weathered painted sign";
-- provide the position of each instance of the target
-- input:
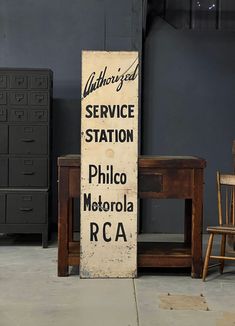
(109, 154)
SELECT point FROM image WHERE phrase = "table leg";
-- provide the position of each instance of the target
(197, 217)
(63, 210)
(70, 219)
(188, 222)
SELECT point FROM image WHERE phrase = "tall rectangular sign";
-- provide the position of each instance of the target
(109, 163)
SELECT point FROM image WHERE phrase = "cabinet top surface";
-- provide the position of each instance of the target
(8, 69)
(146, 161)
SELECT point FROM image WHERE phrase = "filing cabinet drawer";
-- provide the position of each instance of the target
(28, 140)
(28, 172)
(27, 208)
(3, 98)
(39, 82)
(21, 114)
(3, 172)
(18, 114)
(39, 98)
(2, 208)
(3, 113)
(3, 81)
(19, 81)
(18, 98)
(3, 139)
(38, 115)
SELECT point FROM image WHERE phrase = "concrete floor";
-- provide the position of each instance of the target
(31, 294)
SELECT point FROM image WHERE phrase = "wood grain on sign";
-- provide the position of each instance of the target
(109, 151)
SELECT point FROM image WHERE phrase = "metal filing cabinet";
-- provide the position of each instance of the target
(25, 115)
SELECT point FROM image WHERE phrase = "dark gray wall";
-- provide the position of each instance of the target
(188, 109)
(52, 34)
(188, 82)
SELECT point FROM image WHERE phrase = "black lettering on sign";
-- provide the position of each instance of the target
(94, 230)
(110, 111)
(120, 232)
(102, 80)
(109, 135)
(105, 206)
(106, 239)
(97, 174)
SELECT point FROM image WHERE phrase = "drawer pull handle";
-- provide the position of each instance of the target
(39, 98)
(19, 98)
(28, 173)
(28, 140)
(26, 209)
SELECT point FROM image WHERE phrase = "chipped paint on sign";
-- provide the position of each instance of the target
(109, 155)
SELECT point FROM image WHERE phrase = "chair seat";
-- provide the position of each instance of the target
(225, 228)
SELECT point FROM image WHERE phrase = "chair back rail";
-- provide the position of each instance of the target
(226, 198)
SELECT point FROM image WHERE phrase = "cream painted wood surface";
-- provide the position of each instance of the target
(227, 179)
(109, 154)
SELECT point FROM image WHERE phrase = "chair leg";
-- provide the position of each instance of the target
(207, 258)
(222, 252)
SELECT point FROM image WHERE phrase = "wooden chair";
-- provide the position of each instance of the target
(233, 154)
(226, 213)
(231, 238)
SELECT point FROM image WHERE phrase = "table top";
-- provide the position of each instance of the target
(145, 161)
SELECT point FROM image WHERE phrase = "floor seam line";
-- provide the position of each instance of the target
(136, 305)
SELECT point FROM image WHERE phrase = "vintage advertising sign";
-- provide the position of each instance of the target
(109, 154)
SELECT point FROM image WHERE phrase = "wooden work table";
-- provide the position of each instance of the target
(179, 177)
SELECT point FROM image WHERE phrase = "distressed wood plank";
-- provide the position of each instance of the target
(109, 155)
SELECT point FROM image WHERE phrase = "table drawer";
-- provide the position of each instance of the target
(3, 172)
(39, 98)
(3, 114)
(3, 139)
(167, 183)
(26, 208)
(28, 140)
(178, 183)
(150, 182)
(18, 98)
(39, 82)
(2, 208)
(28, 172)
(19, 81)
